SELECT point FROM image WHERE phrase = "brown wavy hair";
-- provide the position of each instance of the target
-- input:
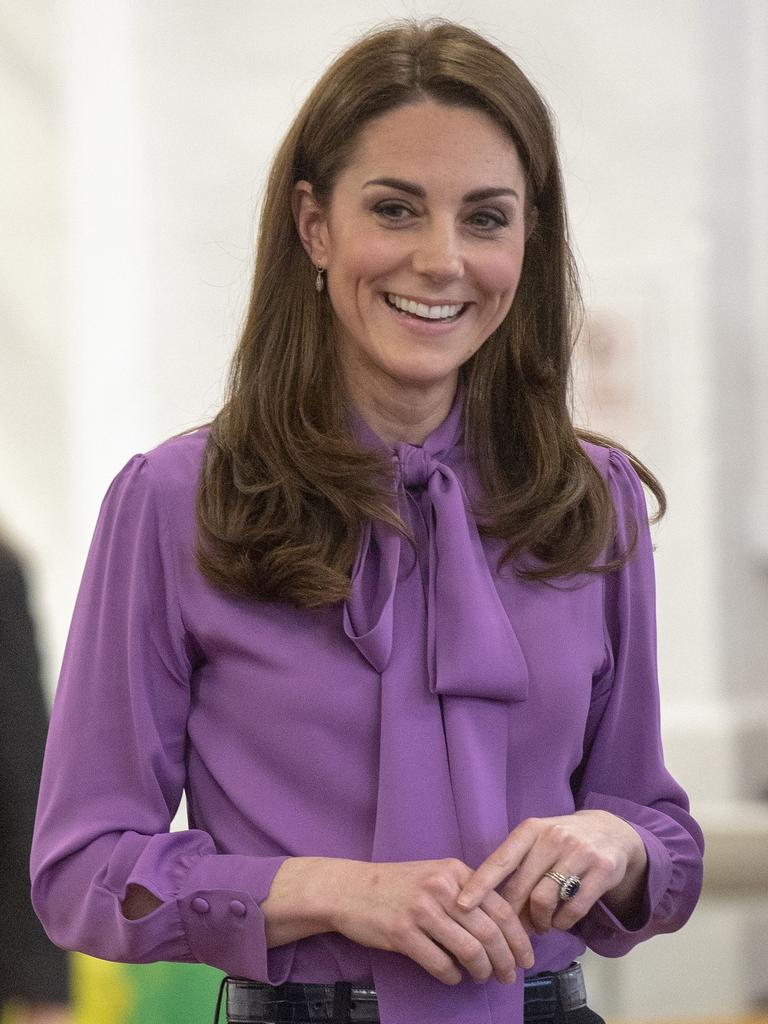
(284, 491)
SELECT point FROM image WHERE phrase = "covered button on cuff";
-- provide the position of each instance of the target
(200, 906)
(238, 908)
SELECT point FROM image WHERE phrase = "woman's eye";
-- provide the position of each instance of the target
(489, 220)
(392, 211)
(486, 220)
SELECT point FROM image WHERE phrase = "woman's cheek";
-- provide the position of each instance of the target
(501, 272)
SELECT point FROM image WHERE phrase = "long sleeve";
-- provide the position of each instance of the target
(623, 768)
(32, 969)
(114, 767)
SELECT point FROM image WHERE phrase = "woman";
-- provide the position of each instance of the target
(389, 619)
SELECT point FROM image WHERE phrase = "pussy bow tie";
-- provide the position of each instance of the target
(451, 667)
(472, 649)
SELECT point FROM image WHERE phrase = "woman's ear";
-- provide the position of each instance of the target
(531, 220)
(310, 221)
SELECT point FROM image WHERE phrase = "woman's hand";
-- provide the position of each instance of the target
(411, 908)
(605, 852)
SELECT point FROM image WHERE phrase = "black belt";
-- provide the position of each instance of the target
(251, 1002)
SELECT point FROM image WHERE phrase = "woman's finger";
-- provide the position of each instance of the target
(568, 912)
(545, 900)
(476, 943)
(512, 927)
(430, 955)
(487, 940)
(499, 864)
(602, 874)
(555, 845)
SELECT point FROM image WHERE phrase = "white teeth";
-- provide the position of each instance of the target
(422, 310)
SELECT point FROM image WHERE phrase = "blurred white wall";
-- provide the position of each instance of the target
(136, 140)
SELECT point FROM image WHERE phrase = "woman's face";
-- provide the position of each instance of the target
(423, 244)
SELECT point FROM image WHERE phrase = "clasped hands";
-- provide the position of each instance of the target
(444, 915)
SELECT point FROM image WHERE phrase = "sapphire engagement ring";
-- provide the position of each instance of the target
(569, 885)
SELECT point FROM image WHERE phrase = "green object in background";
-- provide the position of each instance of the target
(168, 993)
(163, 993)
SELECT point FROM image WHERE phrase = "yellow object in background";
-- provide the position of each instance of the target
(101, 992)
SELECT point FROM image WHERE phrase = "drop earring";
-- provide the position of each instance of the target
(319, 285)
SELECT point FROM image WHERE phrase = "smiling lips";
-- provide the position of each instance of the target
(445, 312)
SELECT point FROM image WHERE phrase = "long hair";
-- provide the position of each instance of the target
(284, 491)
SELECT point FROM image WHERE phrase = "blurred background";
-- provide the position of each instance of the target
(136, 139)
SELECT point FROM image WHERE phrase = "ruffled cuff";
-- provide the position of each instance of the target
(672, 886)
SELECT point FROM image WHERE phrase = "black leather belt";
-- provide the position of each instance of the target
(254, 1002)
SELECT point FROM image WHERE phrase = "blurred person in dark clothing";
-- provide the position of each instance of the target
(34, 974)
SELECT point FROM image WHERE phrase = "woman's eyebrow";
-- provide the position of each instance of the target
(476, 195)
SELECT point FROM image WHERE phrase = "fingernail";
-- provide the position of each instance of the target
(464, 900)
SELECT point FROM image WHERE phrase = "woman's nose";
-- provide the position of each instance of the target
(438, 253)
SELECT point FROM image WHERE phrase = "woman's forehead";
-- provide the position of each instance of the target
(438, 142)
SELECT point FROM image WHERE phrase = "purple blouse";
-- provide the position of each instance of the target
(425, 717)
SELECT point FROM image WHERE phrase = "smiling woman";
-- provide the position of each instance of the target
(409, 262)
(407, 770)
